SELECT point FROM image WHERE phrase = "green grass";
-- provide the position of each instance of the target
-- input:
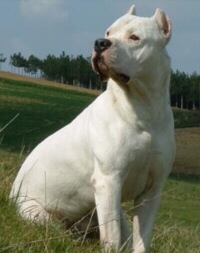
(186, 118)
(177, 226)
(42, 110)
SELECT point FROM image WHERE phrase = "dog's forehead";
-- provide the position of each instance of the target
(132, 22)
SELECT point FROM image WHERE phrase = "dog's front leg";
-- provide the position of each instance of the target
(144, 215)
(107, 190)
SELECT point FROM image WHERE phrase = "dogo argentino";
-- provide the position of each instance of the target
(120, 148)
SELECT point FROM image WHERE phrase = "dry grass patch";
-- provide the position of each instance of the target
(188, 151)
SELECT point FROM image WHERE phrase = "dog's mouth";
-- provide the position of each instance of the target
(101, 68)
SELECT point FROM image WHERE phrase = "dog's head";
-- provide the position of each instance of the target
(132, 47)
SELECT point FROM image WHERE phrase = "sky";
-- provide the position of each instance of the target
(43, 27)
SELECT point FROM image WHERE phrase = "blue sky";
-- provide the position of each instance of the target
(41, 27)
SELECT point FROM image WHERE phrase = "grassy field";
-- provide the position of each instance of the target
(188, 151)
(38, 110)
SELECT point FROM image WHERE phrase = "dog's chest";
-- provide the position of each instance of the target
(139, 166)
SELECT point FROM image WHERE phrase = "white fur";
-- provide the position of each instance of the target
(119, 148)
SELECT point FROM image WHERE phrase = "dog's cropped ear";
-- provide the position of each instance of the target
(164, 24)
(131, 10)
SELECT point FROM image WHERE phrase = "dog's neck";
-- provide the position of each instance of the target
(145, 100)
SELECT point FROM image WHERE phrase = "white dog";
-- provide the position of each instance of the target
(119, 148)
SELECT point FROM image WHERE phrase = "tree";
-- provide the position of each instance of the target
(2, 60)
(194, 90)
(33, 65)
(175, 88)
(50, 68)
(18, 61)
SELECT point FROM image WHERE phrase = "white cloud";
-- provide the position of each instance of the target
(55, 10)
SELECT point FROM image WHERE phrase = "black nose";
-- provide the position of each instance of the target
(102, 44)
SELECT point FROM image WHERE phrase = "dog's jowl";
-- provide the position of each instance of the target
(120, 148)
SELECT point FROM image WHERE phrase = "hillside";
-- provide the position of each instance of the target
(41, 109)
(188, 151)
(12, 76)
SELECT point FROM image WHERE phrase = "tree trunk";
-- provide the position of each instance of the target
(90, 85)
(176, 102)
(181, 101)
(193, 106)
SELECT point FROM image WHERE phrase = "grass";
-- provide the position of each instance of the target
(41, 110)
(177, 226)
(188, 146)
(186, 118)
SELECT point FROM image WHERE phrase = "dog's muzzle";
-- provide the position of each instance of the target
(99, 65)
(98, 62)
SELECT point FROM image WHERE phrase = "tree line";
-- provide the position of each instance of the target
(185, 88)
(63, 68)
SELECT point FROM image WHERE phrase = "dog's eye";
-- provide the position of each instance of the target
(134, 37)
(107, 33)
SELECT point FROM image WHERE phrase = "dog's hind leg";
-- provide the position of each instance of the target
(33, 211)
